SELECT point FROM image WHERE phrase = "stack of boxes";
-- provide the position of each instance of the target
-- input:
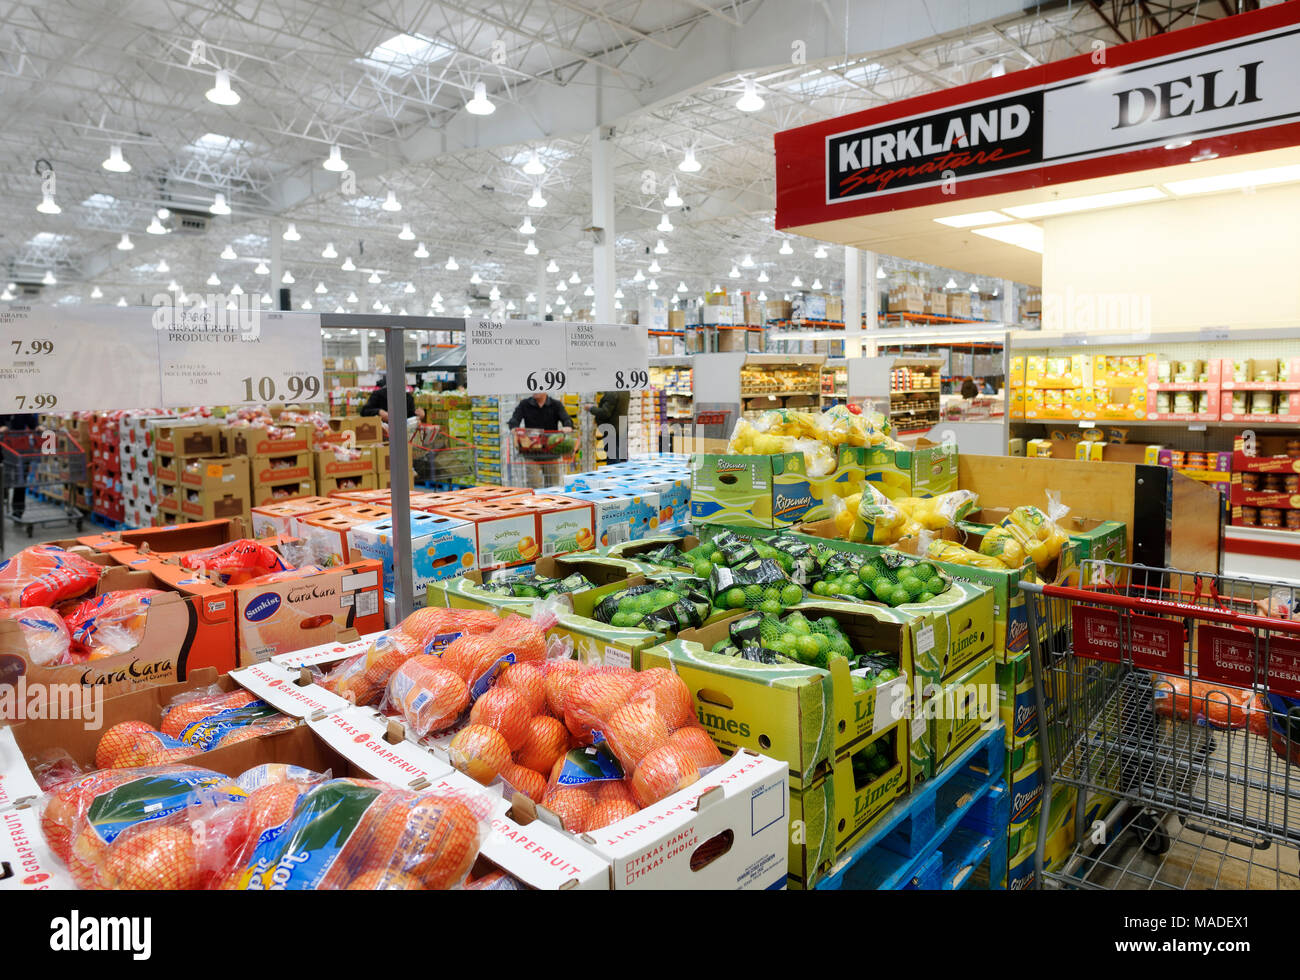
(196, 481)
(1265, 488)
(1214, 469)
(136, 452)
(645, 419)
(280, 460)
(1182, 391)
(662, 482)
(1260, 390)
(1079, 386)
(105, 467)
(489, 416)
(513, 529)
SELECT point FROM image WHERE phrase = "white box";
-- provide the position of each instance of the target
(717, 315)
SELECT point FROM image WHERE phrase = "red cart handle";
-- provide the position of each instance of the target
(1168, 607)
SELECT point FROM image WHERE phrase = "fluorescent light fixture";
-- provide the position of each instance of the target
(390, 202)
(348, 265)
(452, 264)
(339, 309)
(115, 162)
(406, 234)
(163, 214)
(1135, 195)
(1021, 234)
(511, 305)
(1231, 182)
(265, 299)
(531, 248)
(219, 205)
(689, 164)
(262, 270)
(156, 227)
(751, 101)
(561, 286)
(817, 284)
(376, 306)
(527, 227)
(494, 294)
(480, 105)
(974, 288)
(534, 166)
(409, 288)
(673, 200)
(973, 218)
(335, 160)
(287, 278)
(124, 244)
(328, 251)
(320, 289)
(228, 253)
(421, 252)
(48, 205)
(221, 93)
(537, 201)
(213, 280)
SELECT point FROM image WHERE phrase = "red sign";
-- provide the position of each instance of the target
(1230, 85)
(1149, 642)
(1225, 655)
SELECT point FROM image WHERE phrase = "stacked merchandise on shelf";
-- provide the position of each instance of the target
(139, 486)
(1213, 469)
(1260, 390)
(346, 399)
(489, 416)
(1079, 386)
(645, 419)
(1266, 481)
(1183, 391)
(678, 393)
(196, 478)
(914, 397)
(105, 467)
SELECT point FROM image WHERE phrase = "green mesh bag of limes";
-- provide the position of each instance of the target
(539, 587)
(663, 606)
(890, 578)
(757, 584)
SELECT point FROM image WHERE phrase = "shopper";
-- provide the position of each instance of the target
(985, 386)
(610, 413)
(377, 404)
(18, 423)
(541, 411)
(968, 389)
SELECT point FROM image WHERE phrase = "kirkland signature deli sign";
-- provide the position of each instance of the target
(1239, 85)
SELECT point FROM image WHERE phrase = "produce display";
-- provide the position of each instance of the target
(668, 605)
(1026, 532)
(816, 435)
(889, 577)
(538, 587)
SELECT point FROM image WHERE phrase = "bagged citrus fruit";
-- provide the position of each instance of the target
(111, 623)
(352, 834)
(211, 717)
(44, 575)
(236, 562)
(44, 632)
(427, 696)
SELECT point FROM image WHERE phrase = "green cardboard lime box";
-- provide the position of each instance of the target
(770, 491)
(925, 471)
(1095, 539)
(955, 714)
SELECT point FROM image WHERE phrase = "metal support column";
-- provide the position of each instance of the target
(277, 267)
(602, 219)
(852, 302)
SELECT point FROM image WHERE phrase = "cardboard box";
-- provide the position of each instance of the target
(466, 592)
(329, 463)
(755, 491)
(441, 547)
(957, 712)
(260, 440)
(1093, 538)
(223, 475)
(354, 429)
(193, 536)
(328, 485)
(1018, 709)
(281, 468)
(187, 439)
(209, 505)
(326, 533)
(270, 494)
(926, 471)
(506, 535)
(617, 517)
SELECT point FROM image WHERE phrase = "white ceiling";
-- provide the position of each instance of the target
(74, 80)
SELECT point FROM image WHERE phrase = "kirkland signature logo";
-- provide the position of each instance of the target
(263, 607)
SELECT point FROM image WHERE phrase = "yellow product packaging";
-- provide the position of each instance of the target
(1039, 533)
(959, 554)
(1001, 544)
(878, 521)
(934, 513)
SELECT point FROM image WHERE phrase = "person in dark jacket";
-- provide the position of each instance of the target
(968, 389)
(377, 403)
(611, 410)
(541, 411)
(18, 423)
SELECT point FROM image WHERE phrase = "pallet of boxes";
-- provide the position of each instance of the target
(197, 478)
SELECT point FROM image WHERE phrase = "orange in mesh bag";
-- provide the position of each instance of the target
(44, 633)
(235, 563)
(43, 575)
(111, 623)
(427, 695)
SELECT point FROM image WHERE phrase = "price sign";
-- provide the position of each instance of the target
(229, 357)
(509, 356)
(73, 360)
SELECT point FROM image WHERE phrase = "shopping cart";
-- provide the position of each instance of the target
(1169, 704)
(42, 467)
(441, 459)
(541, 457)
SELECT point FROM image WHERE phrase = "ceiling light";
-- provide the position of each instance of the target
(437, 298)
(575, 278)
(1021, 234)
(352, 296)
(339, 309)
(115, 162)
(228, 253)
(531, 248)
(673, 200)
(568, 310)
(530, 298)
(974, 288)
(880, 272)
(751, 101)
(618, 293)
(785, 248)
(287, 278)
(48, 279)
(1228, 182)
(820, 253)
(328, 251)
(219, 205)
(265, 299)
(652, 285)
(467, 311)
(654, 265)
(291, 233)
(213, 280)
(236, 290)
(950, 284)
(348, 265)
(320, 289)
(420, 251)
(973, 218)
(817, 284)
(998, 69)
(527, 227)
(402, 311)
(681, 286)
(390, 202)
(494, 294)
(156, 227)
(717, 288)
(452, 264)
(409, 288)
(480, 105)
(661, 248)
(762, 275)
(121, 301)
(376, 306)
(689, 164)
(387, 308)
(173, 286)
(475, 278)
(511, 305)
(762, 296)
(182, 299)
(995, 292)
(163, 214)
(639, 277)
(1112, 199)
(1205, 155)
(124, 244)
(335, 161)
(796, 282)
(534, 167)
(163, 267)
(374, 279)
(48, 205)
(588, 292)
(221, 93)
(735, 273)
(664, 224)
(406, 234)
(747, 262)
(262, 270)
(306, 305)
(537, 201)
(552, 267)
(1177, 144)
(561, 286)
(95, 293)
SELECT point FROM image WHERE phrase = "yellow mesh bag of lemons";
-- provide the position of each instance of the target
(816, 435)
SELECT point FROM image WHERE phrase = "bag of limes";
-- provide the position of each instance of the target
(758, 584)
(655, 606)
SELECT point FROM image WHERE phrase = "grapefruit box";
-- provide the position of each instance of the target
(441, 547)
(281, 517)
(564, 525)
(260, 440)
(618, 516)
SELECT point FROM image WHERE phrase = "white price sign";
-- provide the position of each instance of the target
(69, 360)
(508, 356)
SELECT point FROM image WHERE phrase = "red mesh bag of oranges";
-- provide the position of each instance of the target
(44, 575)
(428, 631)
(361, 835)
(44, 633)
(236, 562)
(109, 624)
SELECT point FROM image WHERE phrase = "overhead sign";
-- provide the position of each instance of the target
(1229, 86)
(56, 359)
(513, 356)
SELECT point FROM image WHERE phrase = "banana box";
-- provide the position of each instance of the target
(926, 471)
(1019, 710)
(441, 547)
(956, 713)
(618, 516)
(753, 491)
